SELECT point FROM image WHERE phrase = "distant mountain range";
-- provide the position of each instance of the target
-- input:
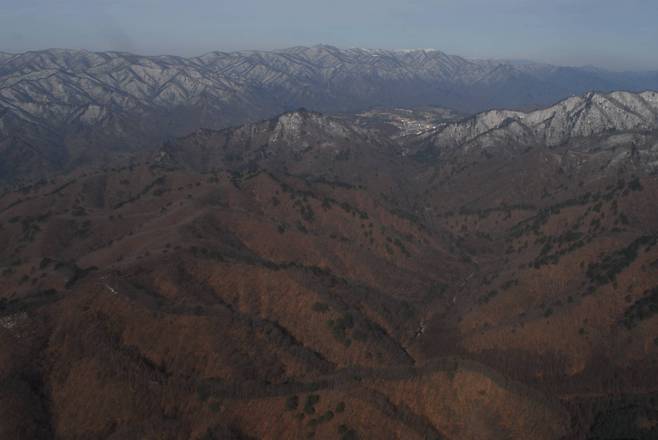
(390, 272)
(63, 107)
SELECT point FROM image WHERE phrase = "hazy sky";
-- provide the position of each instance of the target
(619, 34)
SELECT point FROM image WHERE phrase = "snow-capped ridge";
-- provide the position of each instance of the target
(592, 114)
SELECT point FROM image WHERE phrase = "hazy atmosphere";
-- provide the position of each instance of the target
(606, 33)
(329, 220)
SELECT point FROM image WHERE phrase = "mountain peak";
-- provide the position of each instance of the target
(73, 96)
(591, 114)
(301, 128)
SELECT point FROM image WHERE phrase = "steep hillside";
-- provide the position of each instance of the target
(314, 276)
(573, 119)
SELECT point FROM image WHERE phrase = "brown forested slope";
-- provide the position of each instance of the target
(346, 288)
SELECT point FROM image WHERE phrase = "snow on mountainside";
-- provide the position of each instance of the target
(227, 88)
(576, 117)
(599, 130)
(400, 123)
(284, 139)
(74, 106)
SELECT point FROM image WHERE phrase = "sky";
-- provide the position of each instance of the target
(615, 34)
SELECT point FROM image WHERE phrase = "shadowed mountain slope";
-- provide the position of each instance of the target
(324, 277)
